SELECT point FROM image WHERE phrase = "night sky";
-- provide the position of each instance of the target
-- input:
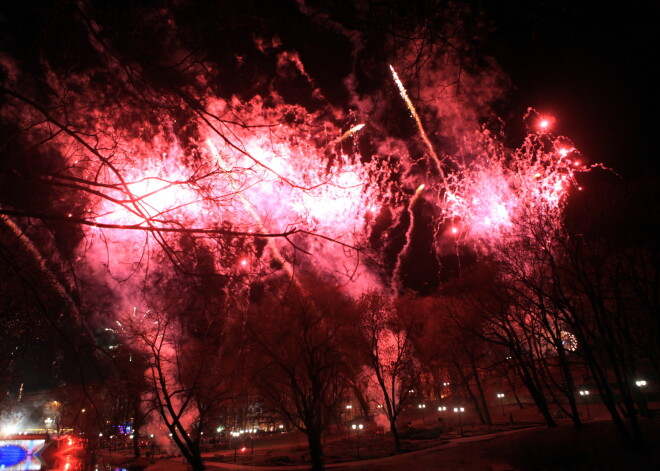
(592, 65)
(592, 68)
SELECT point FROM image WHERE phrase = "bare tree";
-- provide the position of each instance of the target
(386, 345)
(300, 358)
(186, 374)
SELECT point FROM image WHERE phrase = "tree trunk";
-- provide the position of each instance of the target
(513, 390)
(465, 383)
(315, 450)
(364, 405)
(482, 397)
(395, 435)
(136, 444)
(569, 385)
(197, 463)
(536, 393)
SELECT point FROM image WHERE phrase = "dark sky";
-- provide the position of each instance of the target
(591, 65)
(593, 68)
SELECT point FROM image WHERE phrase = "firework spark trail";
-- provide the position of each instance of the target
(347, 134)
(40, 265)
(397, 280)
(249, 207)
(418, 122)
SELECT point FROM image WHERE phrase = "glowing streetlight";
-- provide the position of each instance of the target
(422, 407)
(640, 383)
(443, 409)
(585, 394)
(501, 397)
(357, 428)
(459, 411)
(349, 409)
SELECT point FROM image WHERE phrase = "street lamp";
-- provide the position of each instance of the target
(349, 409)
(585, 394)
(422, 407)
(641, 384)
(501, 397)
(443, 409)
(459, 411)
(357, 428)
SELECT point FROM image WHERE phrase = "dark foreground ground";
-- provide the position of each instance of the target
(596, 446)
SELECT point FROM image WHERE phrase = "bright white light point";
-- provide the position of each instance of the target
(420, 187)
(544, 124)
(454, 230)
(563, 152)
(244, 262)
(576, 163)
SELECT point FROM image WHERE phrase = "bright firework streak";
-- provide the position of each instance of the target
(396, 278)
(418, 121)
(347, 134)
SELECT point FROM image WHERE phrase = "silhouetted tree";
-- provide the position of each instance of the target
(385, 342)
(300, 357)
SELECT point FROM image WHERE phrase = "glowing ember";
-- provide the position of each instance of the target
(545, 123)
